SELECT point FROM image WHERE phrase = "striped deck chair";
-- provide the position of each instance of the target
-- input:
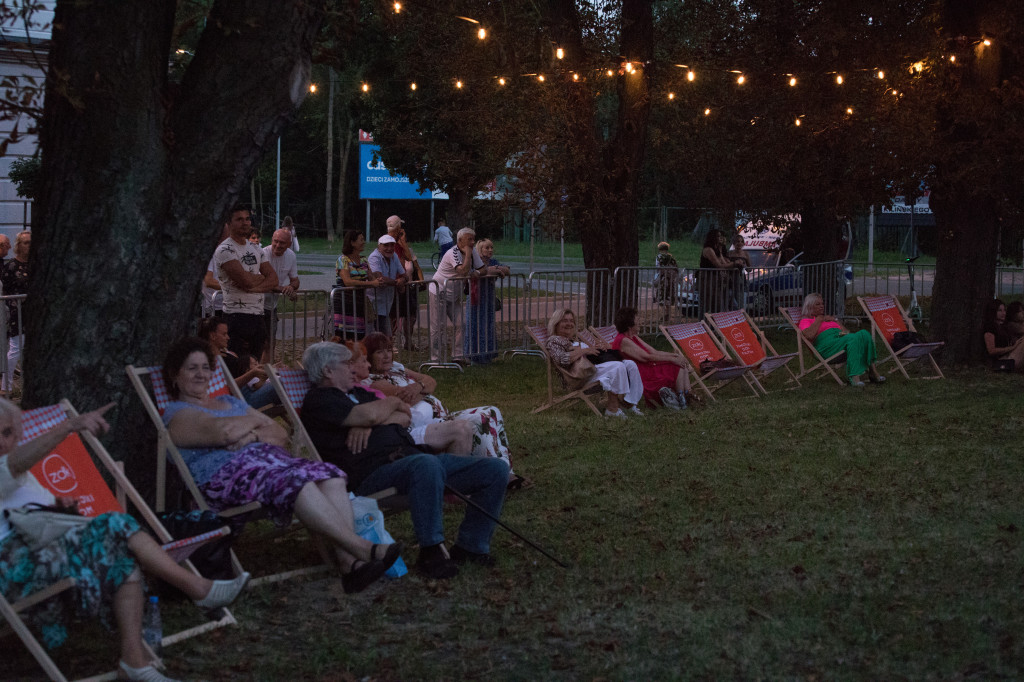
(70, 471)
(698, 344)
(750, 346)
(539, 333)
(887, 319)
(793, 315)
(156, 399)
(291, 386)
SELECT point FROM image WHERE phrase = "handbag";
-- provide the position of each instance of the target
(901, 340)
(40, 524)
(580, 372)
(606, 355)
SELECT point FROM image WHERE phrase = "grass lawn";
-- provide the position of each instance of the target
(820, 533)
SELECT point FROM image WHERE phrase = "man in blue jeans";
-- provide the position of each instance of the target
(369, 439)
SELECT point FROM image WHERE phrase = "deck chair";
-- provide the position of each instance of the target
(584, 393)
(697, 343)
(70, 471)
(291, 386)
(792, 315)
(750, 346)
(887, 318)
(155, 401)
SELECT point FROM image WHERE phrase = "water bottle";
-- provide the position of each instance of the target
(152, 626)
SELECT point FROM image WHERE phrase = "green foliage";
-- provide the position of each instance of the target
(25, 174)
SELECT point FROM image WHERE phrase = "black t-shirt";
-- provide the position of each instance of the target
(324, 412)
(1002, 337)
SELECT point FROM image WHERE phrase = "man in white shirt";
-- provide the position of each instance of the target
(282, 259)
(244, 275)
(386, 267)
(446, 298)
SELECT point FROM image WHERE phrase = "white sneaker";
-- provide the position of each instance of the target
(635, 410)
(668, 398)
(147, 674)
(223, 592)
(616, 413)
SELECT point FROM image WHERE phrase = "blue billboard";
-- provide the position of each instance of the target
(377, 182)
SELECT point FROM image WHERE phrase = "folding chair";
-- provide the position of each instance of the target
(291, 386)
(888, 317)
(793, 315)
(584, 393)
(69, 471)
(697, 344)
(750, 346)
(155, 403)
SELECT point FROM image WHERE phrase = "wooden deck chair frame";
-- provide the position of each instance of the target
(291, 386)
(43, 419)
(773, 360)
(792, 315)
(718, 377)
(167, 450)
(539, 334)
(908, 354)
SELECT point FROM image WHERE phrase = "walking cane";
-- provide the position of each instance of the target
(501, 523)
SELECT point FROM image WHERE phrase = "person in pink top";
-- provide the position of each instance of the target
(665, 375)
(829, 337)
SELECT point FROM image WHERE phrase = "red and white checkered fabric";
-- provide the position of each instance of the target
(879, 303)
(35, 423)
(728, 319)
(295, 383)
(686, 331)
(541, 333)
(218, 385)
(795, 312)
(607, 333)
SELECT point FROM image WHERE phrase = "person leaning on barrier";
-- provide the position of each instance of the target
(104, 557)
(445, 301)
(282, 259)
(369, 437)
(389, 272)
(407, 301)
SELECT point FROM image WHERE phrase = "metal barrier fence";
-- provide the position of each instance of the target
(589, 294)
(1009, 282)
(299, 322)
(352, 313)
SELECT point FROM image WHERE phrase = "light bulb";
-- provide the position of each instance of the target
(501, 81)
(560, 53)
(398, 7)
(540, 77)
(482, 33)
(839, 80)
(690, 75)
(458, 84)
(671, 95)
(792, 82)
(881, 74)
(797, 122)
(412, 86)
(740, 80)
(312, 87)
(366, 87)
(707, 112)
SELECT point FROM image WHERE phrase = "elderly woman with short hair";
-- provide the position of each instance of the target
(830, 337)
(446, 295)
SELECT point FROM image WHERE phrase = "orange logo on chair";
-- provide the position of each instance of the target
(59, 474)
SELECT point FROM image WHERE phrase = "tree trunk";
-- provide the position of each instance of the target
(966, 214)
(346, 149)
(137, 178)
(329, 218)
(458, 209)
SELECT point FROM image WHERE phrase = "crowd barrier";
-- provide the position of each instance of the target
(18, 300)
(471, 325)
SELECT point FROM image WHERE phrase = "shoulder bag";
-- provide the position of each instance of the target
(39, 525)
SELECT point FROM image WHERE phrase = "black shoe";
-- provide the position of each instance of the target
(433, 563)
(358, 579)
(464, 556)
(394, 551)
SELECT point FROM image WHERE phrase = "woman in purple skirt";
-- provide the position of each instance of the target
(237, 455)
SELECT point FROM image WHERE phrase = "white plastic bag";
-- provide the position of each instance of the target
(369, 522)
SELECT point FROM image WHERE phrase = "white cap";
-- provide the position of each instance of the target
(386, 239)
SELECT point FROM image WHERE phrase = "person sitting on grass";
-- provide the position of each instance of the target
(369, 437)
(829, 337)
(999, 344)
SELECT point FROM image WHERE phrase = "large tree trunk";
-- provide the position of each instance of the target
(966, 211)
(458, 209)
(137, 177)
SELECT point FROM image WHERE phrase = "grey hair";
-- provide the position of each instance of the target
(12, 413)
(463, 231)
(320, 356)
(809, 300)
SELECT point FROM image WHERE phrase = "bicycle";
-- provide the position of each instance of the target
(915, 309)
(435, 258)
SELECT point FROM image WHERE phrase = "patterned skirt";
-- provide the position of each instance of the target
(489, 439)
(267, 474)
(96, 556)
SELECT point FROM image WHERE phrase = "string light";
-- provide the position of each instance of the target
(849, 110)
(610, 73)
(986, 42)
(398, 7)
(312, 87)
(690, 75)
(412, 86)
(560, 53)
(792, 81)
(540, 77)
(482, 33)
(952, 58)
(366, 87)
(839, 79)
(671, 95)
(707, 112)
(881, 74)
(575, 76)
(501, 81)
(741, 79)
(797, 122)
(458, 84)
(895, 92)
(629, 67)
